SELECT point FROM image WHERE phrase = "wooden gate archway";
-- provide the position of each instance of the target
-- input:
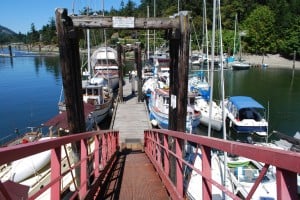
(178, 33)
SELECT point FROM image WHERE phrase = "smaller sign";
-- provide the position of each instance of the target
(173, 101)
(123, 22)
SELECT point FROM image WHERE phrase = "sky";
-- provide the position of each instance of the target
(18, 15)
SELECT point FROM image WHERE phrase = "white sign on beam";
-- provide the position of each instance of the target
(173, 101)
(123, 22)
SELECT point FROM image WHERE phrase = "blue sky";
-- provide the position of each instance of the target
(18, 15)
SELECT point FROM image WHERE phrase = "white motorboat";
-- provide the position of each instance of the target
(104, 63)
(100, 97)
(246, 115)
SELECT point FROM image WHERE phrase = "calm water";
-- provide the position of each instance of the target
(29, 92)
(30, 89)
(278, 90)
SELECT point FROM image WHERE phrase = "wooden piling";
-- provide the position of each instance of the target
(138, 61)
(10, 51)
(71, 71)
(120, 65)
(179, 64)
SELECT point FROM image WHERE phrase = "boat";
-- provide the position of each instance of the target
(232, 61)
(34, 171)
(238, 177)
(240, 65)
(104, 63)
(244, 173)
(246, 115)
(193, 179)
(97, 100)
(216, 119)
(159, 109)
(199, 85)
(33, 163)
(101, 97)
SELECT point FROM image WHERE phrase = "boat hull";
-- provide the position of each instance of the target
(162, 119)
(101, 111)
(240, 66)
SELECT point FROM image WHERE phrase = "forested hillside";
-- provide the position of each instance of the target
(268, 26)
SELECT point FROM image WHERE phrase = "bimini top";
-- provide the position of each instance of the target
(244, 102)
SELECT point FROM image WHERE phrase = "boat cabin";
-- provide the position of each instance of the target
(243, 107)
(95, 94)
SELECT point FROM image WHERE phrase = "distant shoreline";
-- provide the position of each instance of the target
(271, 60)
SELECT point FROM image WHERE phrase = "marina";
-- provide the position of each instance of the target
(137, 150)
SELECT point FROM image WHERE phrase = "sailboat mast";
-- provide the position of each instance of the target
(154, 15)
(88, 51)
(105, 43)
(212, 67)
(148, 48)
(222, 95)
(234, 40)
(206, 37)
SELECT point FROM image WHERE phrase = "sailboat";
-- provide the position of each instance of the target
(219, 168)
(238, 64)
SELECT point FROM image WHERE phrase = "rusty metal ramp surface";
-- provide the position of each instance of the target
(133, 177)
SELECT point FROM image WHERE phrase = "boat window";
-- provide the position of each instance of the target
(89, 91)
(166, 100)
(191, 101)
(250, 113)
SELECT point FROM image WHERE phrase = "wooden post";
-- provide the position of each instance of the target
(71, 76)
(71, 72)
(10, 51)
(138, 62)
(119, 50)
(294, 60)
(174, 84)
(179, 55)
(179, 65)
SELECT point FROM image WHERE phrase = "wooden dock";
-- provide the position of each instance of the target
(131, 118)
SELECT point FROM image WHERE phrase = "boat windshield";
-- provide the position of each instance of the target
(106, 61)
(256, 114)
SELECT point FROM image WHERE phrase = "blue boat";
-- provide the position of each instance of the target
(246, 115)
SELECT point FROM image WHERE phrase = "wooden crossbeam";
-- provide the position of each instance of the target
(124, 22)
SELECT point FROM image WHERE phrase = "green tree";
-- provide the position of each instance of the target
(291, 41)
(260, 35)
(48, 33)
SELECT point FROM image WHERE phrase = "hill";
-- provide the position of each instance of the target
(4, 30)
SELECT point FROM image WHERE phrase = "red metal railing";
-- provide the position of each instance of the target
(104, 145)
(160, 145)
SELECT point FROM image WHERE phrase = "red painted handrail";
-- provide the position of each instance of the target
(158, 142)
(105, 146)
